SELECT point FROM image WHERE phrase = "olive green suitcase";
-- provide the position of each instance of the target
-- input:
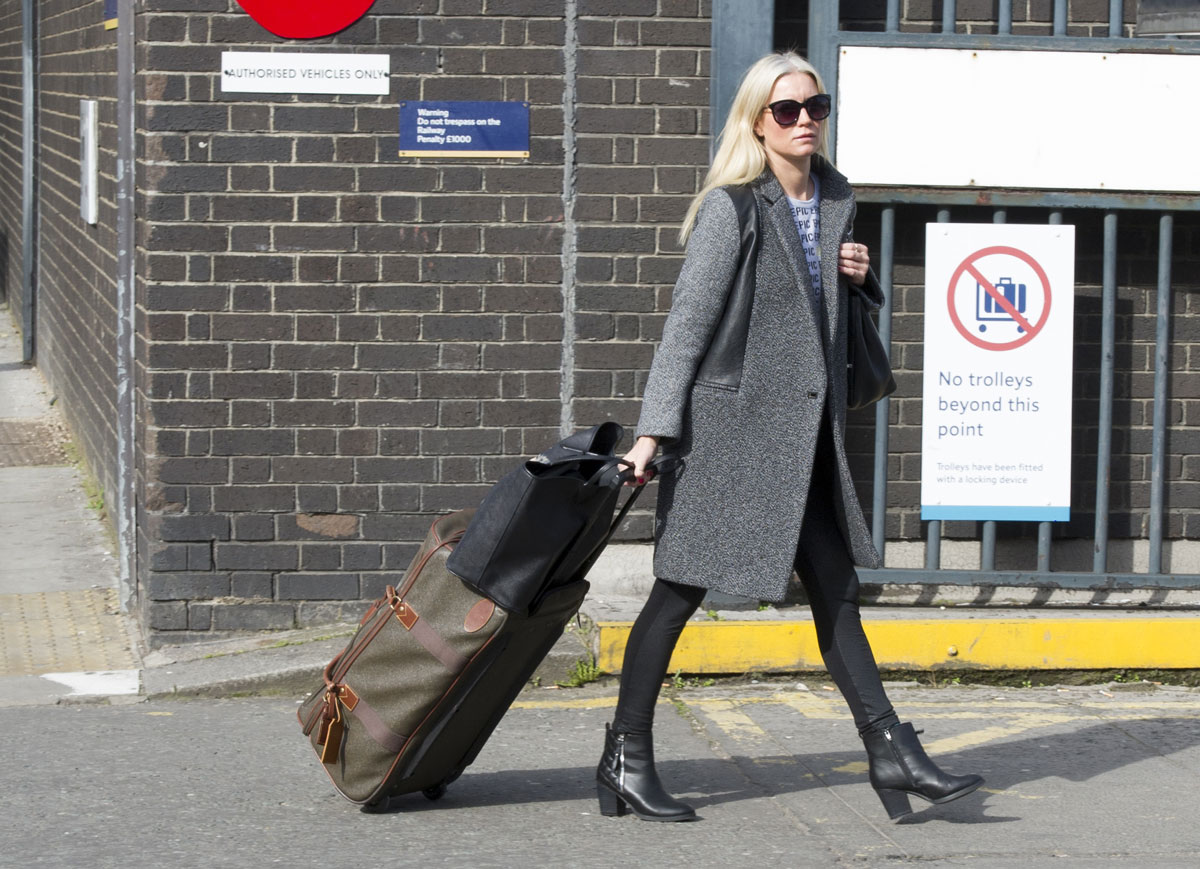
(433, 667)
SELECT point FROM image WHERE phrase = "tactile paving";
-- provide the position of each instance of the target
(63, 631)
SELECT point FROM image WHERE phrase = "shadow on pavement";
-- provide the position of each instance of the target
(1076, 756)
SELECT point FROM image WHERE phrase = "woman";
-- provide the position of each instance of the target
(762, 485)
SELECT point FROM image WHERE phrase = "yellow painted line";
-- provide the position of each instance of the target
(1022, 724)
(854, 767)
(727, 716)
(1037, 643)
(567, 703)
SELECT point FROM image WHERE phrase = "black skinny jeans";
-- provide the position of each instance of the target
(831, 583)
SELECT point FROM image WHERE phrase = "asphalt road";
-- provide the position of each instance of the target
(1075, 777)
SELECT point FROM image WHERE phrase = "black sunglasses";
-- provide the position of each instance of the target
(787, 112)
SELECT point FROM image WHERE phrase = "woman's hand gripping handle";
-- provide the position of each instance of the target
(643, 452)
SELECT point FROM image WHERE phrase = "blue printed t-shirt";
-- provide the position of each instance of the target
(808, 223)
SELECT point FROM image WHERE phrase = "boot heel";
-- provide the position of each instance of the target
(894, 802)
(611, 805)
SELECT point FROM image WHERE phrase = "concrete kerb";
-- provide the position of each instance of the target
(733, 643)
(291, 662)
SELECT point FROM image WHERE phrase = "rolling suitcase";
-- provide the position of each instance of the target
(434, 665)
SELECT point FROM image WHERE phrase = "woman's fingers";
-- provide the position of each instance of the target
(641, 454)
(854, 260)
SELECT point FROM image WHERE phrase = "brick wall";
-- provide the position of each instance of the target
(338, 344)
(10, 159)
(76, 289)
(642, 153)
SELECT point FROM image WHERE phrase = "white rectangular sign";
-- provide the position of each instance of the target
(996, 411)
(1057, 120)
(267, 72)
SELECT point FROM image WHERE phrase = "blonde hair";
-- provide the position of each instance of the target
(740, 156)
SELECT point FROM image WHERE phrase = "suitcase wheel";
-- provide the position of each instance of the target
(378, 806)
(436, 792)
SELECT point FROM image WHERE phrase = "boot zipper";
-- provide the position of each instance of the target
(887, 734)
(621, 762)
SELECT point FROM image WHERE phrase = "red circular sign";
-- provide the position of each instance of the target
(305, 19)
(967, 266)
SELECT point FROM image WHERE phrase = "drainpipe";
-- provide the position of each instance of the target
(28, 192)
(126, 505)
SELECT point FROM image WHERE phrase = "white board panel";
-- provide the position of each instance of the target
(284, 72)
(1020, 119)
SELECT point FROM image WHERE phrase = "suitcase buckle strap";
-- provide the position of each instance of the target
(329, 737)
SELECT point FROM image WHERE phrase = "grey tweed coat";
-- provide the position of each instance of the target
(729, 516)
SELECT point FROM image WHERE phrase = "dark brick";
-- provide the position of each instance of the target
(317, 586)
(256, 556)
(273, 269)
(166, 616)
(397, 413)
(397, 357)
(305, 469)
(185, 527)
(252, 616)
(188, 586)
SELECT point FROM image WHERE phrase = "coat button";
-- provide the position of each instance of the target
(812, 394)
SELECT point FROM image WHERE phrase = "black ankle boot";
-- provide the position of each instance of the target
(626, 777)
(900, 766)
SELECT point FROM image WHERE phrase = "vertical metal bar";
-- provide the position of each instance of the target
(823, 47)
(893, 15)
(1107, 341)
(987, 544)
(127, 423)
(887, 256)
(949, 16)
(570, 228)
(1004, 16)
(1116, 18)
(1166, 225)
(742, 32)
(1044, 528)
(1060, 17)
(28, 189)
(933, 535)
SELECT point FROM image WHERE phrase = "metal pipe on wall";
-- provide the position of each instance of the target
(1162, 371)
(949, 14)
(126, 519)
(28, 188)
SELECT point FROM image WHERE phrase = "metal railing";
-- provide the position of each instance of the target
(826, 39)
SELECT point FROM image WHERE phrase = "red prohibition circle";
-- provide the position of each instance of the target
(1034, 328)
(305, 19)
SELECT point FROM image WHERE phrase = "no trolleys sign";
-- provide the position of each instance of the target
(996, 420)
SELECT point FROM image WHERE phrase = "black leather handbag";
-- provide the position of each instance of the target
(545, 523)
(868, 369)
